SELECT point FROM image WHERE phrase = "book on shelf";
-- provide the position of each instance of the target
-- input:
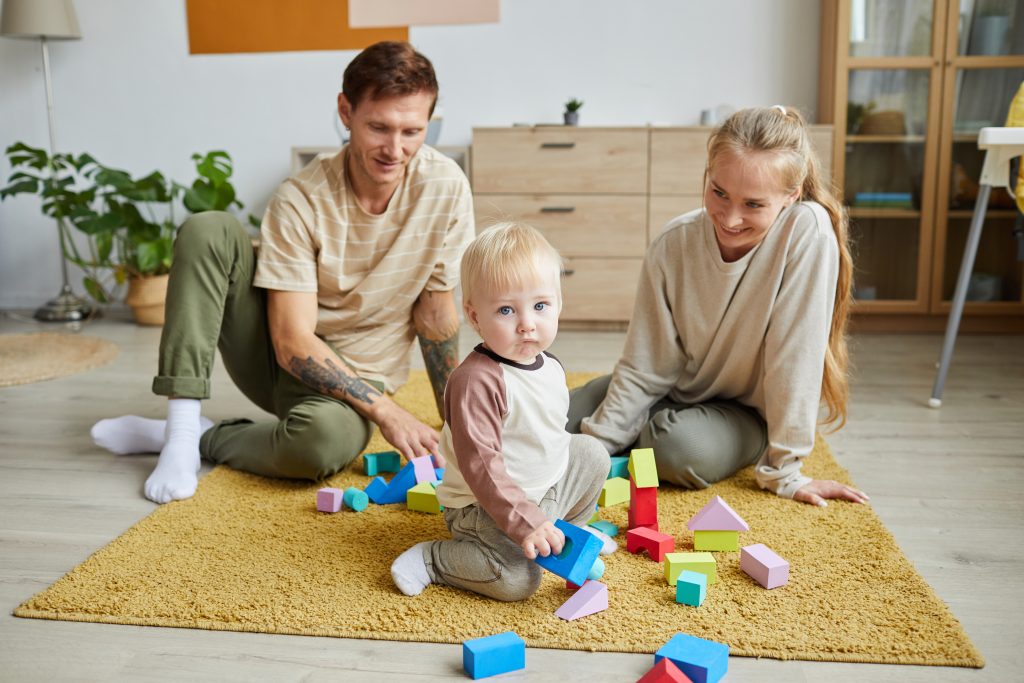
(883, 200)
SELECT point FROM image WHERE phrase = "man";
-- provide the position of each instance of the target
(359, 253)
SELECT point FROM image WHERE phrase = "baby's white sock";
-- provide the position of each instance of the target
(409, 571)
(177, 470)
(133, 434)
(610, 546)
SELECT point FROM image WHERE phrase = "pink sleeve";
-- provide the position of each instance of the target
(475, 403)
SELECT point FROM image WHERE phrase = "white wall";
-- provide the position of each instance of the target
(131, 95)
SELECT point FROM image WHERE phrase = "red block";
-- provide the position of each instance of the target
(664, 672)
(654, 542)
(643, 506)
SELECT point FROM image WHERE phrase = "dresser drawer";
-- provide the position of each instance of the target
(560, 159)
(577, 225)
(599, 289)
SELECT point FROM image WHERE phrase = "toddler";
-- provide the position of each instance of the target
(512, 468)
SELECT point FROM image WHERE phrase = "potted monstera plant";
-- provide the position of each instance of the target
(128, 224)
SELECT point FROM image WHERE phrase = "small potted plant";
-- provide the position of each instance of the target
(572, 112)
(129, 223)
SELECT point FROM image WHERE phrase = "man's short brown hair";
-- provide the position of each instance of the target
(388, 69)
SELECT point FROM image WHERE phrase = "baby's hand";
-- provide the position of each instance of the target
(545, 540)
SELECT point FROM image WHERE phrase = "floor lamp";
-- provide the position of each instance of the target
(48, 20)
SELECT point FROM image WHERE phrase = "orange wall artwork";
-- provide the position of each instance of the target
(226, 26)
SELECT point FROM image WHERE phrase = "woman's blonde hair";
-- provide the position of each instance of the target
(506, 255)
(781, 132)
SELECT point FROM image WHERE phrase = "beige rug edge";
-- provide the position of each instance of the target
(85, 353)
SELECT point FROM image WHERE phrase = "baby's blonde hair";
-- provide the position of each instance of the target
(506, 255)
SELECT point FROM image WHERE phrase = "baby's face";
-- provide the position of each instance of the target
(520, 322)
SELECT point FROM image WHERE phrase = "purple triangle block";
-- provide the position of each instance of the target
(717, 516)
(592, 597)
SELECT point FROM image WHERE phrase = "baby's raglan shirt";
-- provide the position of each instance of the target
(504, 438)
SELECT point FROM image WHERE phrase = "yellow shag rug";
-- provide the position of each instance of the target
(27, 358)
(253, 554)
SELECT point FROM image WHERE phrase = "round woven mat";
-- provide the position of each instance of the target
(27, 358)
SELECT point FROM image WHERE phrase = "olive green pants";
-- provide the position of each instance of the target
(211, 304)
(694, 445)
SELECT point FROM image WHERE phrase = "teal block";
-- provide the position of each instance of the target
(577, 556)
(605, 527)
(704, 661)
(493, 655)
(383, 461)
(691, 588)
(620, 467)
(355, 499)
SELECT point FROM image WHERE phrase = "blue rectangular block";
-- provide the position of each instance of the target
(396, 489)
(577, 556)
(704, 661)
(384, 461)
(377, 489)
(493, 655)
(620, 467)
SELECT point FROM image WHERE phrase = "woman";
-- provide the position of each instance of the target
(739, 326)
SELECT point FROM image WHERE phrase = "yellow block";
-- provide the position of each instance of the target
(716, 540)
(614, 491)
(423, 498)
(642, 467)
(704, 563)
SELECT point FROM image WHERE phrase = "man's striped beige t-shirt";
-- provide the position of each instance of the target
(367, 270)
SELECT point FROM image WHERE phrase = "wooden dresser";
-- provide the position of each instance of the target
(600, 195)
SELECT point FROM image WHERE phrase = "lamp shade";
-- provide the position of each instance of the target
(54, 19)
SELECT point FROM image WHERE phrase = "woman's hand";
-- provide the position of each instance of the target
(544, 540)
(818, 490)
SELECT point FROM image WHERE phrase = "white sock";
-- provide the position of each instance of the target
(133, 434)
(610, 546)
(177, 470)
(409, 571)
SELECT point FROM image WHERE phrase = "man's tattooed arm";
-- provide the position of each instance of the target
(331, 380)
(440, 358)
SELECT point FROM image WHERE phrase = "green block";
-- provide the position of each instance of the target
(716, 540)
(704, 563)
(423, 498)
(614, 491)
(642, 468)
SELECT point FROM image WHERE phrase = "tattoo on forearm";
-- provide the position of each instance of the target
(440, 358)
(328, 379)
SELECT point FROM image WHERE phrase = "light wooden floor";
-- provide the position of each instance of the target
(947, 483)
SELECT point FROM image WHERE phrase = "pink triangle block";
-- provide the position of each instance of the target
(717, 516)
(423, 467)
(592, 597)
